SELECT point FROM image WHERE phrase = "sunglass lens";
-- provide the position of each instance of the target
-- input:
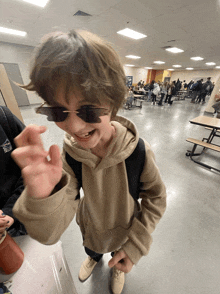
(55, 114)
(58, 114)
(88, 115)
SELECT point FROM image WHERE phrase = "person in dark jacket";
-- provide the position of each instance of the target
(11, 182)
(196, 88)
(206, 89)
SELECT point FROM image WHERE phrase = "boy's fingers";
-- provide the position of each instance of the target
(30, 136)
(27, 155)
(115, 259)
(1, 216)
(2, 229)
(54, 153)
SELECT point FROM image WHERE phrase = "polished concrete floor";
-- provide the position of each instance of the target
(185, 253)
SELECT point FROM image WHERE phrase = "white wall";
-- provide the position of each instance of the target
(138, 73)
(193, 74)
(13, 53)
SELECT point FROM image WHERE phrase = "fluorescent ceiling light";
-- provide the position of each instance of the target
(129, 65)
(174, 50)
(131, 34)
(210, 63)
(177, 65)
(189, 68)
(171, 69)
(40, 3)
(197, 58)
(12, 32)
(159, 62)
(148, 67)
(133, 56)
(217, 66)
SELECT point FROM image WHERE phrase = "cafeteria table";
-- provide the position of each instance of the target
(213, 124)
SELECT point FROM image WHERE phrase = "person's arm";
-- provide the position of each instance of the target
(14, 184)
(46, 219)
(153, 205)
(47, 205)
(7, 208)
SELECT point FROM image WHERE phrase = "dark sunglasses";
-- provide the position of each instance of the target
(88, 113)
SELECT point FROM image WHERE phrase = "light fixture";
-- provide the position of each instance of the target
(189, 68)
(197, 58)
(41, 3)
(174, 50)
(177, 65)
(148, 67)
(12, 32)
(218, 66)
(210, 63)
(131, 34)
(171, 69)
(159, 62)
(133, 56)
(129, 65)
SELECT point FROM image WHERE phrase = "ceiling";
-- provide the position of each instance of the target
(192, 25)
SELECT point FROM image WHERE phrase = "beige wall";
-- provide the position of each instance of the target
(138, 73)
(193, 74)
(13, 53)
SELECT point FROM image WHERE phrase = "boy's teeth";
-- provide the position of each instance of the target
(85, 135)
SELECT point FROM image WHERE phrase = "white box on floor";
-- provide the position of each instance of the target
(44, 270)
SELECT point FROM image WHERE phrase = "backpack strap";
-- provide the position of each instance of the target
(8, 123)
(77, 169)
(134, 166)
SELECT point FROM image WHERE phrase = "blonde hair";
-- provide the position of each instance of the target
(78, 61)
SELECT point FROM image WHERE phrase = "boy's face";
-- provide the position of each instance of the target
(87, 135)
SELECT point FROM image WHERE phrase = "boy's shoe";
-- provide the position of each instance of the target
(86, 268)
(117, 281)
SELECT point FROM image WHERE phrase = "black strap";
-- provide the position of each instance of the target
(134, 166)
(8, 123)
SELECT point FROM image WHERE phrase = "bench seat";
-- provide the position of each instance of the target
(204, 144)
(218, 131)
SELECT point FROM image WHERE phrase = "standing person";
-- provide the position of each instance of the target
(199, 89)
(205, 90)
(155, 92)
(130, 98)
(151, 86)
(170, 91)
(196, 90)
(11, 182)
(163, 92)
(82, 80)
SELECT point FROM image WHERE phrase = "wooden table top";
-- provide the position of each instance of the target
(138, 95)
(206, 121)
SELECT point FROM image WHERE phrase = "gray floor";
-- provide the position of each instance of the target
(185, 255)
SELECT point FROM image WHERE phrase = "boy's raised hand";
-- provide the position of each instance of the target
(40, 174)
(121, 261)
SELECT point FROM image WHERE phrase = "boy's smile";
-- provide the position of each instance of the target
(94, 136)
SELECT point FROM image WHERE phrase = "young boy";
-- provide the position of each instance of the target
(80, 78)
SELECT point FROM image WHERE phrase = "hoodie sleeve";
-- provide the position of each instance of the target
(46, 219)
(153, 205)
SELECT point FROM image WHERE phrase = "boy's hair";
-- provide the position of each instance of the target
(78, 61)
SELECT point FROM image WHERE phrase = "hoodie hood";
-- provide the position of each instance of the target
(121, 146)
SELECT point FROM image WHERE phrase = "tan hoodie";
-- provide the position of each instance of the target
(108, 216)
